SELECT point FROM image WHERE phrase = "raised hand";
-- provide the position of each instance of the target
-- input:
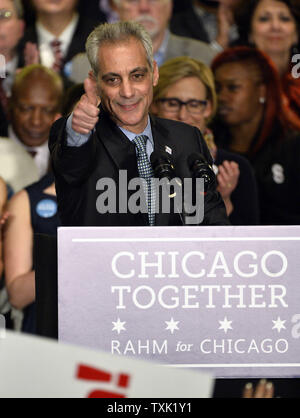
(228, 177)
(86, 112)
(225, 20)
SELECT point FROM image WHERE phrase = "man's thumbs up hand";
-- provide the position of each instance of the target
(86, 112)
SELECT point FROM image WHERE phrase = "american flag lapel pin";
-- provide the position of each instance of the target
(168, 150)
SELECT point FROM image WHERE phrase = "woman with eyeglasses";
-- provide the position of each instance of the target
(186, 93)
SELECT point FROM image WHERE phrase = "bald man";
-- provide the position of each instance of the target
(34, 106)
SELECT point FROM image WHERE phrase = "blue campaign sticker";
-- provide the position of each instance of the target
(46, 208)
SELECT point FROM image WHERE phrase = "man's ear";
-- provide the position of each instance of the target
(155, 73)
(57, 116)
(92, 75)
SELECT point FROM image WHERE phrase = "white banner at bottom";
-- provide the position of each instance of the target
(32, 367)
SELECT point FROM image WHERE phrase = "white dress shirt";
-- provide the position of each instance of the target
(42, 156)
(45, 38)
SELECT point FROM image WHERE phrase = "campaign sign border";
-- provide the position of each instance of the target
(237, 369)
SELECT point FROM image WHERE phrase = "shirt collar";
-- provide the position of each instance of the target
(159, 56)
(12, 135)
(45, 37)
(11, 65)
(147, 131)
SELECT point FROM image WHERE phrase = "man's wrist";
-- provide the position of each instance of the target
(75, 139)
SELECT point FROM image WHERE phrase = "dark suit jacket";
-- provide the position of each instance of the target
(77, 170)
(188, 24)
(3, 123)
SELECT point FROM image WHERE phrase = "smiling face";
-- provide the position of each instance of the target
(125, 83)
(273, 27)
(239, 92)
(11, 30)
(34, 110)
(188, 88)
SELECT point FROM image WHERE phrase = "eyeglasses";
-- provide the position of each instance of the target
(174, 105)
(5, 14)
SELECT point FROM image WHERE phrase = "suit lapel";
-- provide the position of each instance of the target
(118, 146)
(163, 143)
(122, 153)
(76, 44)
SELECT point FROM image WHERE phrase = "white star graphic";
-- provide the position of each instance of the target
(172, 325)
(279, 324)
(119, 326)
(225, 325)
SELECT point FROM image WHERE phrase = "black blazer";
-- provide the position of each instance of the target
(188, 24)
(77, 170)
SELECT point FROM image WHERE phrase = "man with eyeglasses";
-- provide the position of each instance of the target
(11, 32)
(154, 15)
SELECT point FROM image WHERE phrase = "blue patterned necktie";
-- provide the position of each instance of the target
(145, 172)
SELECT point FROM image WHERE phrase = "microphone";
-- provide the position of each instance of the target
(201, 169)
(163, 169)
(162, 166)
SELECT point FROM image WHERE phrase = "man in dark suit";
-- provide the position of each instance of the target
(94, 144)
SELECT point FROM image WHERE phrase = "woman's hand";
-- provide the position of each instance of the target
(227, 177)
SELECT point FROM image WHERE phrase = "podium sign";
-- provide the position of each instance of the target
(221, 299)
